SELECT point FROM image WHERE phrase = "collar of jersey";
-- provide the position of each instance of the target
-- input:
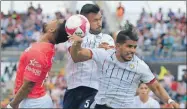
(98, 35)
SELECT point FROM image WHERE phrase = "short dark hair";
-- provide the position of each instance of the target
(89, 8)
(141, 82)
(61, 35)
(129, 33)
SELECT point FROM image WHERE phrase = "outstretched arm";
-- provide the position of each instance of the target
(78, 53)
(160, 92)
(22, 93)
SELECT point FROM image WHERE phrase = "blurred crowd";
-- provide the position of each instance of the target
(21, 29)
(160, 33)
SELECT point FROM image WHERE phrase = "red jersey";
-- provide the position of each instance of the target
(34, 65)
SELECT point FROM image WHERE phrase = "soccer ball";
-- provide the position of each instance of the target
(77, 24)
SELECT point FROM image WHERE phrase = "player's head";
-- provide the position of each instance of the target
(143, 90)
(126, 42)
(56, 29)
(93, 14)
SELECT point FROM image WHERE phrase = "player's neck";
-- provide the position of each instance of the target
(119, 57)
(144, 99)
(45, 38)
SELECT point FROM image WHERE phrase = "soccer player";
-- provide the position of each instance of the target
(34, 64)
(121, 71)
(82, 77)
(143, 100)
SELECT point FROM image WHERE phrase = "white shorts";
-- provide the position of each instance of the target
(42, 102)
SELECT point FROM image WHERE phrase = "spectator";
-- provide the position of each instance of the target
(39, 13)
(36, 35)
(143, 13)
(171, 14)
(151, 19)
(59, 15)
(159, 46)
(168, 45)
(159, 15)
(8, 21)
(144, 16)
(39, 9)
(68, 14)
(141, 39)
(2, 21)
(30, 9)
(120, 11)
(5, 39)
(179, 14)
(14, 15)
(143, 100)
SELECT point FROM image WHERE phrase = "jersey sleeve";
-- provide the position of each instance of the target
(147, 76)
(98, 54)
(108, 39)
(36, 67)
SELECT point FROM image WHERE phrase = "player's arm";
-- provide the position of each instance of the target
(78, 53)
(154, 85)
(22, 93)
(160, 92)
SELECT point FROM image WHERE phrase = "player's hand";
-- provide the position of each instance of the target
(174, 105)
(75, 38)
(104, 45)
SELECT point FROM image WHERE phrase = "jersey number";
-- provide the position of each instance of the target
(87, 104)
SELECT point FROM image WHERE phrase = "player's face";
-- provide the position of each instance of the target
(127, 50)
(57, 27)
(95, 22)
(143, 90)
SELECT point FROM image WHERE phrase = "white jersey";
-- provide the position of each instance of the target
(119, 80)
(85, 73)
(151, 103)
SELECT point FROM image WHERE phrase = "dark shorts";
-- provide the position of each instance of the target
(98, 106)
(79, 98)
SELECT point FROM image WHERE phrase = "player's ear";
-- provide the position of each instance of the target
(44, 27)
(117, 46)
(52, 30)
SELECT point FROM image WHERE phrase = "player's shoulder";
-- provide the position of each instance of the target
(104, 35)
(37, 49)
(140, 62)
(136, 59)
(34, 48)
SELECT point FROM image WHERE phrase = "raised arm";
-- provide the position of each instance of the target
(78, 53)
